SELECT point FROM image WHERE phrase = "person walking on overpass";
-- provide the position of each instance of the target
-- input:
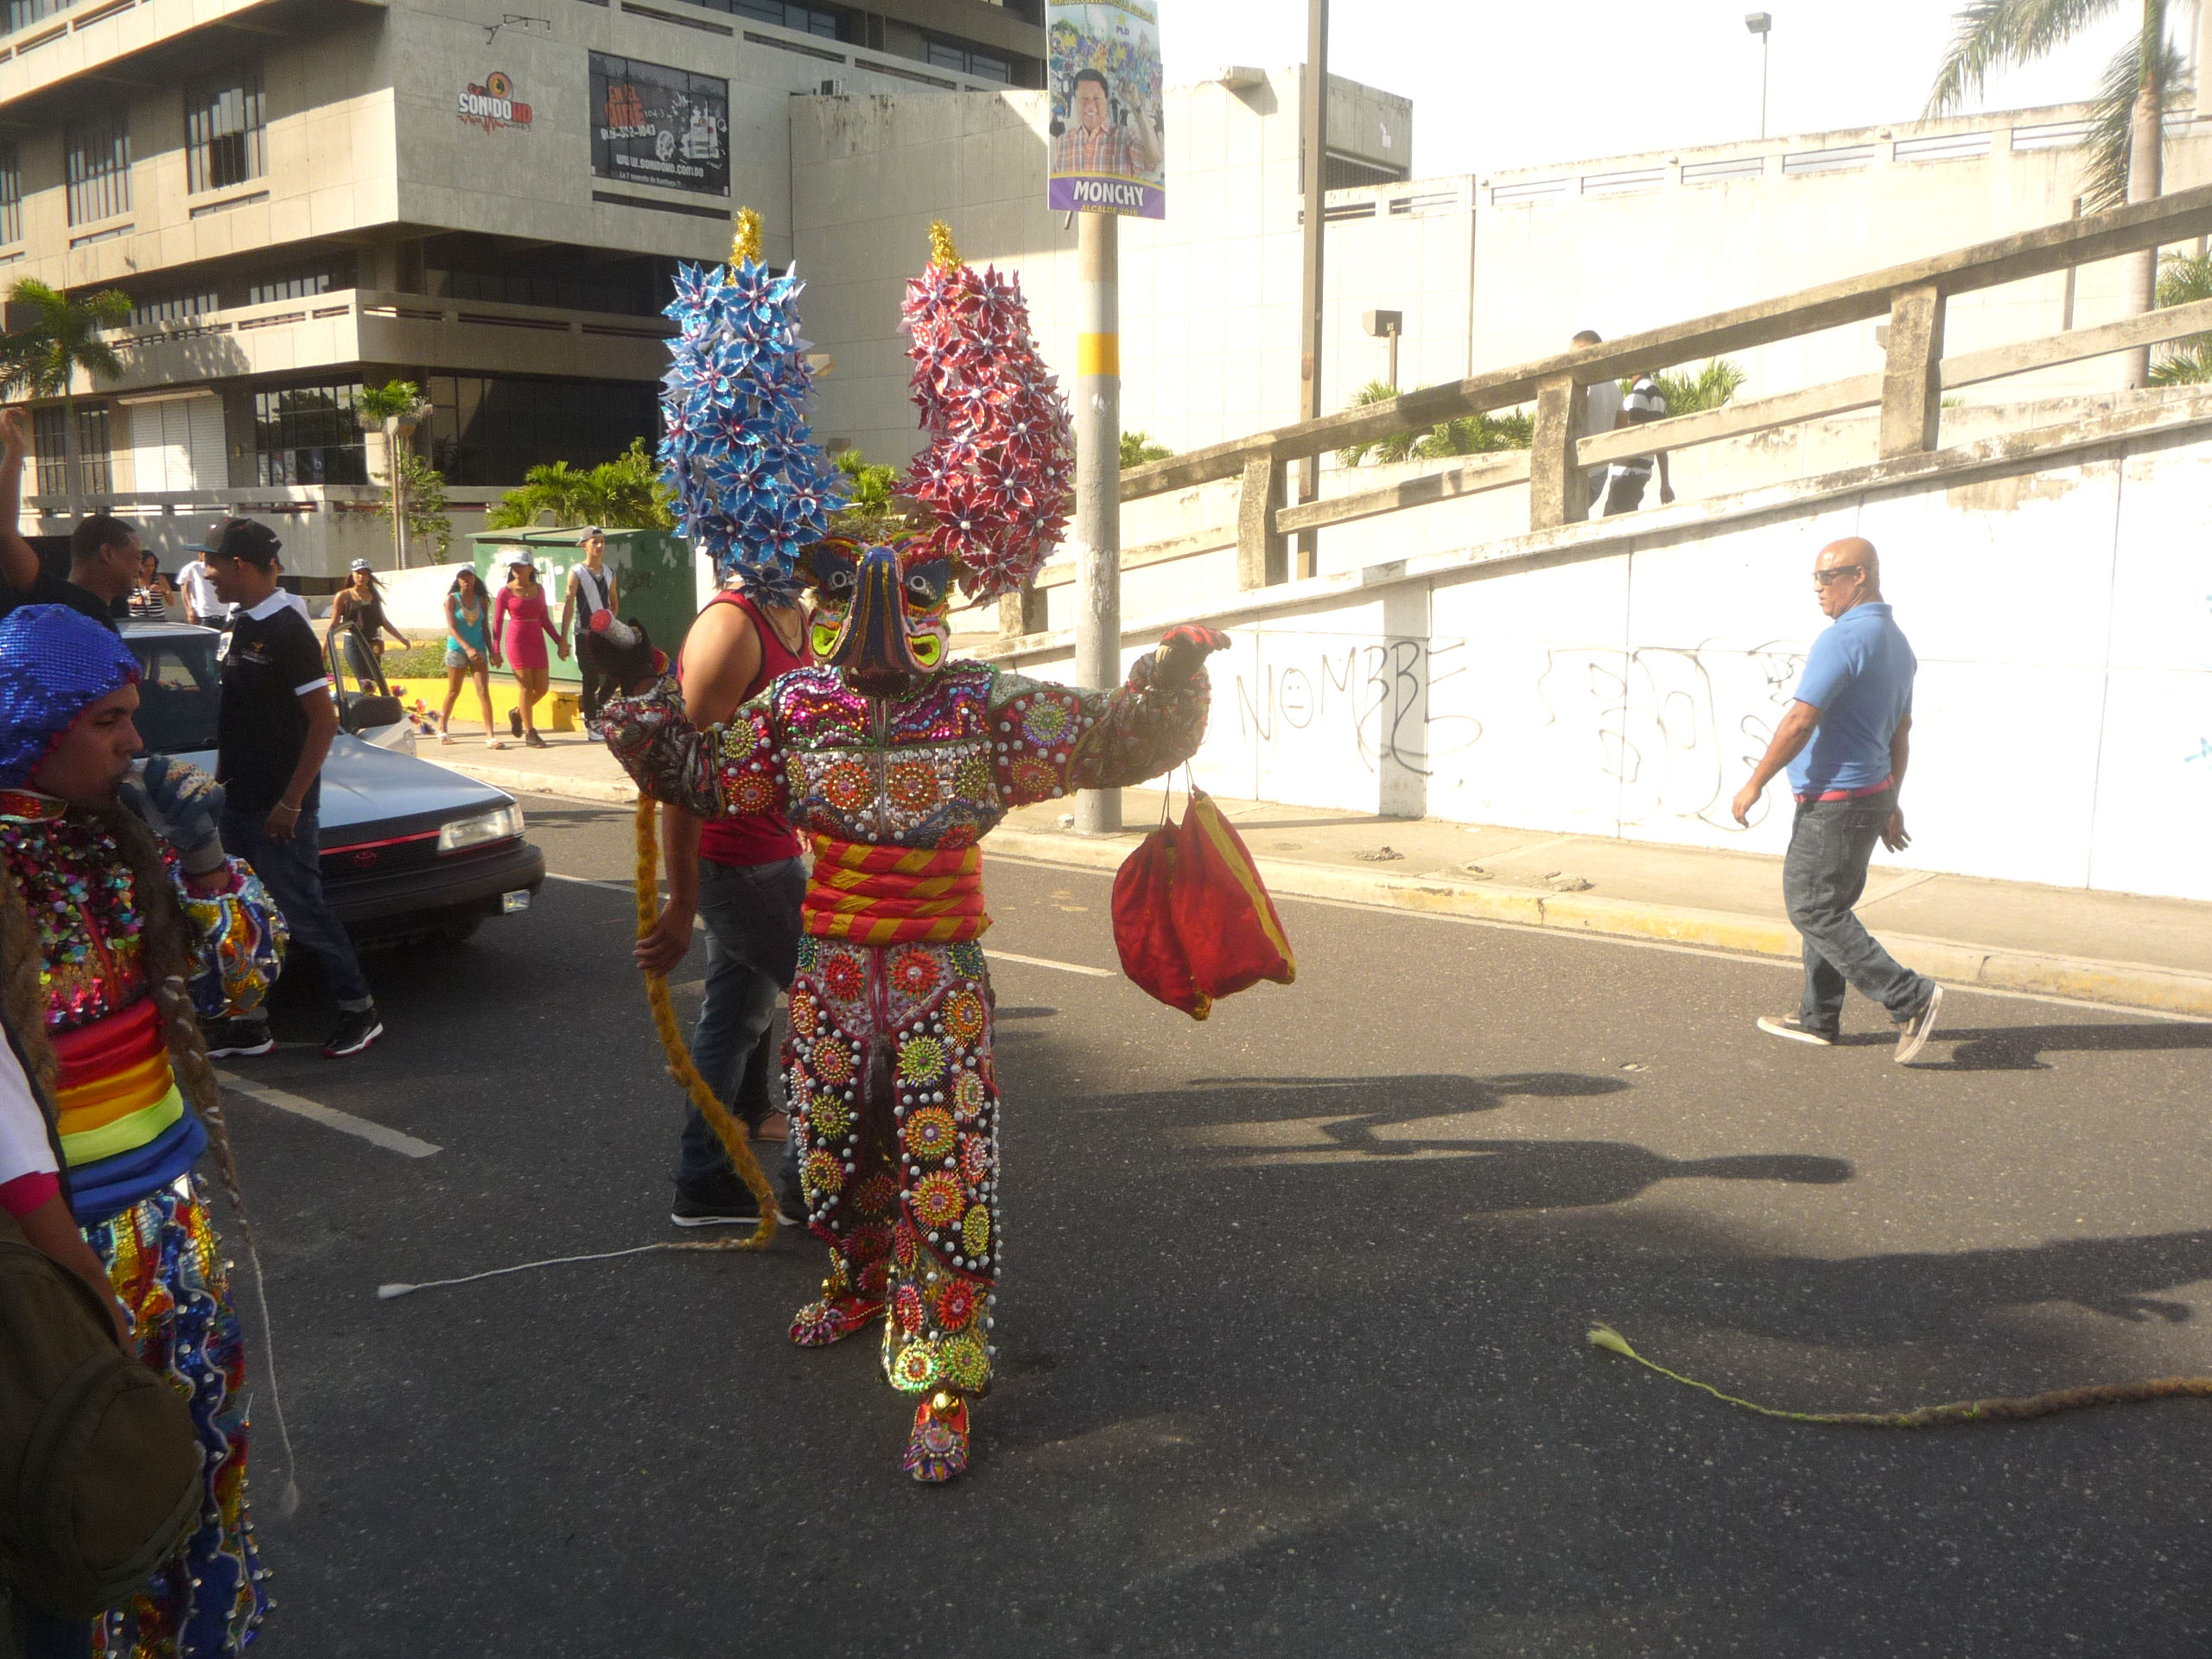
(1844, 742)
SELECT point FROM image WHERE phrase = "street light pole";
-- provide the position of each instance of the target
(1761, 23)
(1098, 482)
(1315, 124)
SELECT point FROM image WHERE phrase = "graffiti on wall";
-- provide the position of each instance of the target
(1679, 730)
(1384, 693)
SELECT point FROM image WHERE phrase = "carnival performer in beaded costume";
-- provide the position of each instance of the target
(109, 938)
(896, 762)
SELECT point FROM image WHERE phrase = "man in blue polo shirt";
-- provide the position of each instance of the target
(1844, 742)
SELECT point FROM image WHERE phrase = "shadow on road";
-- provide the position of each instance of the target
(2020, 1048)
(1328, 1129)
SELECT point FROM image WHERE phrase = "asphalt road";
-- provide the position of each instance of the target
(1292, 1334)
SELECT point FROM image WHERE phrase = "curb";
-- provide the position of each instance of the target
(2124, 984)
(544, 783)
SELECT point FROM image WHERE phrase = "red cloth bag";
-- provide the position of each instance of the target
(1144, 925)
(1192, 919)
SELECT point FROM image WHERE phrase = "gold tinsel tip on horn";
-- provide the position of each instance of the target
(745, 244)
(941, 252)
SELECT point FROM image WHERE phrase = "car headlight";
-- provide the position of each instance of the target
(503, 823)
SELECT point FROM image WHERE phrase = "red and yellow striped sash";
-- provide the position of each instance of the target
(894, 895)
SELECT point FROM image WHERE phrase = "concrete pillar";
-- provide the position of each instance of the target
(1098, 482)
(1262, 557)
(1912, 382)
(1557, 493)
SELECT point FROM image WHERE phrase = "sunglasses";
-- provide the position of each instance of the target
(1822, 578)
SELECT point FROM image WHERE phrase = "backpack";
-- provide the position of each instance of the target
(99, 1464)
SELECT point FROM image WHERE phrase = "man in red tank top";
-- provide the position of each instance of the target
(742, 877)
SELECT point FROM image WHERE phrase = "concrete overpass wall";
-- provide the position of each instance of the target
(1619, 678)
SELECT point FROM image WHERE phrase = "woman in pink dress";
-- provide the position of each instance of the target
(519, 617)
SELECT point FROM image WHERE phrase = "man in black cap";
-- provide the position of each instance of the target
(276, 726)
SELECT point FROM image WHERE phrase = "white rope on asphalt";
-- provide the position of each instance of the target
(387, 1293)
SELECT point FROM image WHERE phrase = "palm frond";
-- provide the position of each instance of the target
(2184, 279)
(1375, 391)
(1994, 35)
(2108, 149)
(2189, 366)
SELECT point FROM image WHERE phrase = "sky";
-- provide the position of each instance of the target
(1499, 84)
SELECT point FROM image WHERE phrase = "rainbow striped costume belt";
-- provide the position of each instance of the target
(894, 895)
(126, 1131)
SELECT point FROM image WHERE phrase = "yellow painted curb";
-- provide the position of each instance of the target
(2135, 985)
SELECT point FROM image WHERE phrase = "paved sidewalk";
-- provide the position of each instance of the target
(2134, 952)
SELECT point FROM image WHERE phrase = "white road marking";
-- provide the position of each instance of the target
(589, 881)
(345, 1122)
(1046, 962)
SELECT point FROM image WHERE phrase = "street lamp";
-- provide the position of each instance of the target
(1760, 23)
(1386, 324)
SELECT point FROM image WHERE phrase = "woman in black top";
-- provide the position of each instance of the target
(361, 609)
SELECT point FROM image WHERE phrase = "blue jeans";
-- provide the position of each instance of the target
(292, 871)
(752, 915)
(1821, 878)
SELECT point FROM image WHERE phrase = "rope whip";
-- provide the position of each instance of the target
(1951, 1414)
(727, 1128)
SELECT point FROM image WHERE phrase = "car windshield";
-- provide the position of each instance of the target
(180, 691)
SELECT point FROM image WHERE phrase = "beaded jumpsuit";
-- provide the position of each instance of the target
(129, 1139)
(887, 1073)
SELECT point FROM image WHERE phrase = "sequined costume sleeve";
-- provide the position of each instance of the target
(725, 771)
(1051, 740)
(240, 937)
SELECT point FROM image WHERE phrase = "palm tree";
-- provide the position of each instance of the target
(395, 408)
(2185, 279)
(2127, 139)
(63, 336)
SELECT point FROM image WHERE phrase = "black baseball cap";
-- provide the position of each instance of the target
(247, 539)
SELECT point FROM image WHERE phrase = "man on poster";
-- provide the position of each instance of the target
(1098, 144)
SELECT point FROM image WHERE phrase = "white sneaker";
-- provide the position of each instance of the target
(1913, 1034)
(1790, 1025)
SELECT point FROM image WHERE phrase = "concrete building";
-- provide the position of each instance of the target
(303, 196)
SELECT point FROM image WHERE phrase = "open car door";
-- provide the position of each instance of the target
(367, 708)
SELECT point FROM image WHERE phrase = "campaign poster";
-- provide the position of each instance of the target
(653, 124)
(1106, 152)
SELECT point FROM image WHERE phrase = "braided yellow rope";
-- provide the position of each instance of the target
(2000, 1410)
(727, 1128)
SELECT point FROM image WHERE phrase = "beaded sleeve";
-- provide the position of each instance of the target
(240, 937)
(1053, 740)
(727, 770)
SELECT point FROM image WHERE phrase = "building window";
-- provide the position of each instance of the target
(308, 434)
(488, 430)
(297, 285)
(950, 54)
(95, 473)
(11, 195)
(459, 267)
(226, 132)
(174, 309)
(99, 169)
(22, 14)
(807, 19)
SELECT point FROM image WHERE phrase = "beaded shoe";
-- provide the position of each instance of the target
(937, 1449)
(819, 1324)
